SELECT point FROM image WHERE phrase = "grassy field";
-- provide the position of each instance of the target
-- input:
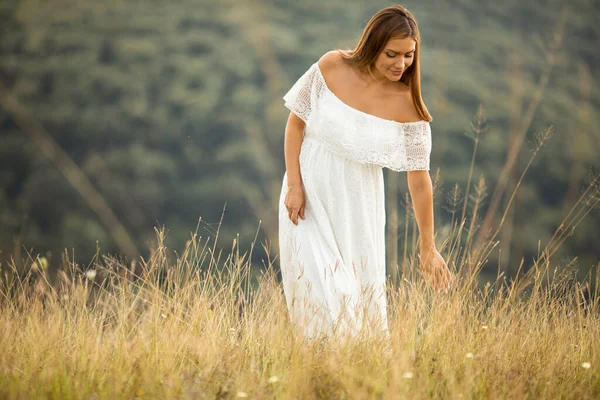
(204, 324)
(196, 326)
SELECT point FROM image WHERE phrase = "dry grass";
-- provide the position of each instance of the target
(204, 324)
(193, 326)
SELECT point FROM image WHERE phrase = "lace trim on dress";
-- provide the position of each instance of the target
(304, 95)
(354, 134)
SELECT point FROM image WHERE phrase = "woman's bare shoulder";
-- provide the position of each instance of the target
(330, 63)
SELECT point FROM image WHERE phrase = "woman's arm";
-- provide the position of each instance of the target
(433, 266)
(294, 135)
(421, 193)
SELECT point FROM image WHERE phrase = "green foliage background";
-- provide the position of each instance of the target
(174, 109)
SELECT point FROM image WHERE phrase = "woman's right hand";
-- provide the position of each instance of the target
(295, 202)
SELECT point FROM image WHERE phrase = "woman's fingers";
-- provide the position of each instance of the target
(294, 213)
(440, 276)
(446, 280)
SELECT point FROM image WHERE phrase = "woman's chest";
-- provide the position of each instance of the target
(380, 106)
(334, 118)
(396, 105)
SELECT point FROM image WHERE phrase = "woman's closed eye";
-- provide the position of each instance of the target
(409, 55)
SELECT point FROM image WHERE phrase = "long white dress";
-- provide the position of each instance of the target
(333, 261)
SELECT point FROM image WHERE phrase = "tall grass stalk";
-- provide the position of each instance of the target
(203, 324)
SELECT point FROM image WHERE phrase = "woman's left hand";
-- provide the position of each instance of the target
(435, 270)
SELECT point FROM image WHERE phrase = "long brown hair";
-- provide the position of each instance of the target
(390, 23)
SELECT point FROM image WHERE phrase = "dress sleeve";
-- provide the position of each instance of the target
(303, 96)
(417, 142)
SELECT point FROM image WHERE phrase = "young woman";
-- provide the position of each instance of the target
(352, 114)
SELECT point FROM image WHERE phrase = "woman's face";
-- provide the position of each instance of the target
(396, 57)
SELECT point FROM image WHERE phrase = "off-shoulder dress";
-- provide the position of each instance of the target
(333, 262)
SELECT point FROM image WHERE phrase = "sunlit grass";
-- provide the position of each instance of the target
(194, 326)
(208, 324)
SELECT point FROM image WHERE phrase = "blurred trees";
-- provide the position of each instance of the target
(174, 110)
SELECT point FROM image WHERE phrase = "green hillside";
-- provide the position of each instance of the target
(173, 111)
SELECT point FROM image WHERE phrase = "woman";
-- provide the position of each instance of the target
(353, 113)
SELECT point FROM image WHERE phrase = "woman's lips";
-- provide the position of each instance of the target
(396, 72)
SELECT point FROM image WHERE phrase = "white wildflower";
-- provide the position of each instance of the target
(90, 273)
(407, 375)
(273, 379)
(586, 365)
(469, 355)
(242, 394)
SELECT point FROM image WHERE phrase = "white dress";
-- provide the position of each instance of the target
(333, 261)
